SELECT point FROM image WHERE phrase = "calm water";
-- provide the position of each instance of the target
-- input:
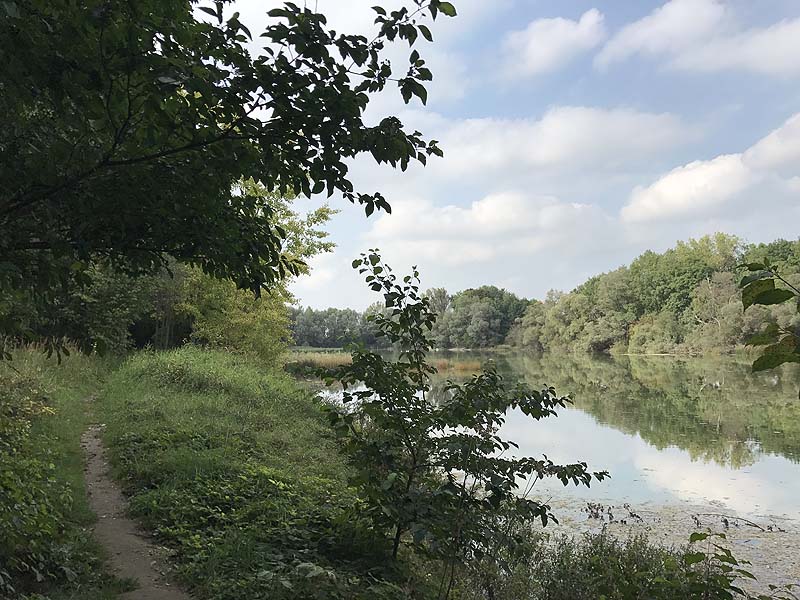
(667, 429)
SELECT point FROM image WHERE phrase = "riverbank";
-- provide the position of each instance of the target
(768, 547)
(230, 466)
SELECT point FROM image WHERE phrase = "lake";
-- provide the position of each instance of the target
(668, 429)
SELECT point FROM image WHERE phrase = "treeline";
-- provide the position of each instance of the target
(108, 310)
(474, 318)
(684, 300)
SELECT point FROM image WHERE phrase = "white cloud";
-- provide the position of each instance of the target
(568, 138)
(703, 35)
(548, 44)
(670, 28)
(704, 187)
(500, 224)
(771, 51)
(779, 151)
(690, 190)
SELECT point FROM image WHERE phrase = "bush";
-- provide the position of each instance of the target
(30, 496)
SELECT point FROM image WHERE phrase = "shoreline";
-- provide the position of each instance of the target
(771, 544)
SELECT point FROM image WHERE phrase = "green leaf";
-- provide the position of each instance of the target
(209, 11)
(768, 336)
(776, 355)
(426, 32)
(389, 481)
(752, 290)
(447, 9)
(694, 557)
(761, 274)
(755, 266)
(697, 536)
(773, 297)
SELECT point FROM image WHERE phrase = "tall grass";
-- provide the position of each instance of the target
(234, 467)
(319, 359)
(51, 461)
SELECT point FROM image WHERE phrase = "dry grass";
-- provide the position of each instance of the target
(328, 360)
(324, 360)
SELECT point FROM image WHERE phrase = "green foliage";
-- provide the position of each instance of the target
(129, 127)
(600, 566)
(44, 545)
(182, 303)
(682, 301)
(232, 466)
(213, 312)
(30, 519)
(715, 573)
(781, 344)
(476, 318)
(332, 328)
(436, 476)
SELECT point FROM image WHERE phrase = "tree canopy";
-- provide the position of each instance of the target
(130, 126)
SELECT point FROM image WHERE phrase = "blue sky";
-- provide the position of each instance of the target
(577, 134)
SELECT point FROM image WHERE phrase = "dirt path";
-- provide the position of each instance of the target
(132, 554)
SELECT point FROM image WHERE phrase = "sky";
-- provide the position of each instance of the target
(576, 135)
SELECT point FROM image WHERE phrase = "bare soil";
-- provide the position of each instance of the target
(133, 555)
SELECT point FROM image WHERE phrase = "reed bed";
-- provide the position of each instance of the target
(325, 360)
(315, 359)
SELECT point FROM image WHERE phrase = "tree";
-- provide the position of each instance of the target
(129, 127)
(437, 476)
(479, 317)
(440, 300)
(180, 303)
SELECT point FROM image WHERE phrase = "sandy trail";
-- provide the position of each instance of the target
(133, 555)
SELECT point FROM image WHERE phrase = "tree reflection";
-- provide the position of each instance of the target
(712, 407)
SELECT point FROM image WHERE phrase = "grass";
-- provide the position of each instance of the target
(299, 362)
(78, 563)
(317, 359)
(233, 468)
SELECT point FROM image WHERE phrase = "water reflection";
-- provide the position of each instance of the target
(696, 430)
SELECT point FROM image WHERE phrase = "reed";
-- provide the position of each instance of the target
(319, 359)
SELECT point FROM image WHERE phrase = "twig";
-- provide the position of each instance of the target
(742, 519)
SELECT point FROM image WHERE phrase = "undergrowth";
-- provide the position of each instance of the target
(232, 467)
(45, 548)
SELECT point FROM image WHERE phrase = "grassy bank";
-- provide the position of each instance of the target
(231, 465)
(45, 547)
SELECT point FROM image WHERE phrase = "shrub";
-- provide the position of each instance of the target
(437, 477)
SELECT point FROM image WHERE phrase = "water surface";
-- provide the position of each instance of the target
(699, 430)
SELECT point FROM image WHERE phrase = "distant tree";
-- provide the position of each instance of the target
(439, 298)
(683, 300)
(479, 318)
(715, 313)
